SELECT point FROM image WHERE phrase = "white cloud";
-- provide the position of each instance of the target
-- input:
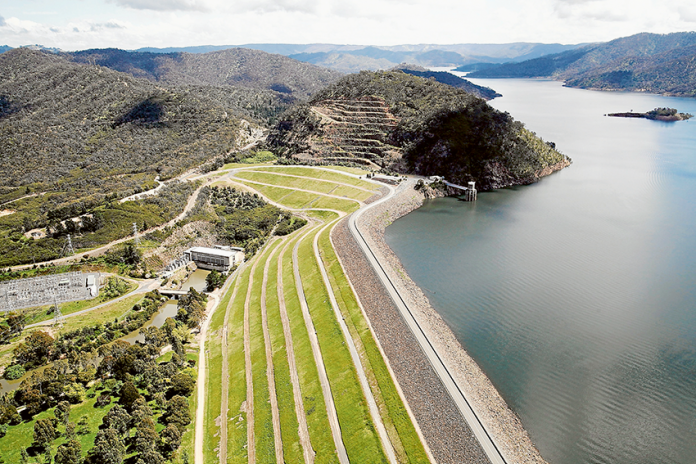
(162, 5)
(687, 13)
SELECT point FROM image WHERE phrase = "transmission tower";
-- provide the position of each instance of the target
(57, 315)
(135, 234)
(69, 247)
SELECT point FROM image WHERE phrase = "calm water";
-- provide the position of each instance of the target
(577, 295)
(196, 280)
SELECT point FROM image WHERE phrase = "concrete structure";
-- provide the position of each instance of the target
(50, 289)
(219, 258)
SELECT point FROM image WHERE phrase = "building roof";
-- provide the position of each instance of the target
(213, 251)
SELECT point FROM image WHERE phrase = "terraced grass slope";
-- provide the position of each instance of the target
(291, 388)
(411, 124)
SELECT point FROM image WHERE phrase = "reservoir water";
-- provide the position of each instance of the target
(577, 295)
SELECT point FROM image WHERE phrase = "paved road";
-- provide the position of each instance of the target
(144, 286)
(455, 392)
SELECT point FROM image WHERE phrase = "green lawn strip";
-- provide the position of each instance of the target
(350, 192)
(359, 435)
(211, 415)
(334, 203)
(236, 371)
(323, 175)
(263, 416)
(285, 196)
(274, 193)
(312, 395)
(400, 428)
(286, 181)
(117, 309)
(41, 313)
(358, 171)
(292, 450)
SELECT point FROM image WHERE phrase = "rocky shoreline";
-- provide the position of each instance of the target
(502, 424)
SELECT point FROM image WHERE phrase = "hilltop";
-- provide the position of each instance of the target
(411, 124)
(658, 63)
(238, 67)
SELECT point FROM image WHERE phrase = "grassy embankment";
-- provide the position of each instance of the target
(358, 431)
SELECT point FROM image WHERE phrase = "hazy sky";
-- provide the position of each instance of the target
(129, 24)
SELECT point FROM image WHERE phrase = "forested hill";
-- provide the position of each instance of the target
(449, 79)
(409, 123)
(658, 63)
(237, 67)
(89, 130)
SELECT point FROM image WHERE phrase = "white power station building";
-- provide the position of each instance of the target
(219, 258)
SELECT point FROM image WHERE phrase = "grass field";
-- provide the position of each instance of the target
(316, 191)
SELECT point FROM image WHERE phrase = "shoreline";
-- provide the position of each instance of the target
(500, 421)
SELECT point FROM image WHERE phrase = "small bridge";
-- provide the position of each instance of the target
(176, 294)
(470, 192)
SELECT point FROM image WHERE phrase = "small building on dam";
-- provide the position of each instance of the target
(219, 258)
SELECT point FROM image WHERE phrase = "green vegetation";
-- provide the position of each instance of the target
(313, 397)
(449, 79)
(151, 394)
(441, 130)
(401, 430)
(269, 80)
(292, 450)
(359, 436)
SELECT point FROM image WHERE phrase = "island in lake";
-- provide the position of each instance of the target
(659, 114)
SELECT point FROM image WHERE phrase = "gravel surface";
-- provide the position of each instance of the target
(445, 430)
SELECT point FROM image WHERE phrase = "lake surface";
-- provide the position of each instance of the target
(577, 295)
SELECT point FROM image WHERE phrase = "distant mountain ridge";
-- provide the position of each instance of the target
(353, 58)
(230, 67)
(657, 63)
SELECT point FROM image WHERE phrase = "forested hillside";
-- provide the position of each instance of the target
(239, 67)
(659, 63)
(87, 126)
(413, 124)
(450, 79)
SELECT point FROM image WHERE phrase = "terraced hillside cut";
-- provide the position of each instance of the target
(354, 128)
(410, 124)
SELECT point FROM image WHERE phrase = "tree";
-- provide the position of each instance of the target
(182, 384)
(171, 438)
(128, 395)
(62, 412)
(214, 280)
(117, 419)
(177, 412)
(44, 433)
(131, 254)
(35, 349)
(145, 436)
(191, 309)
(108, 448)
(69, 452)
